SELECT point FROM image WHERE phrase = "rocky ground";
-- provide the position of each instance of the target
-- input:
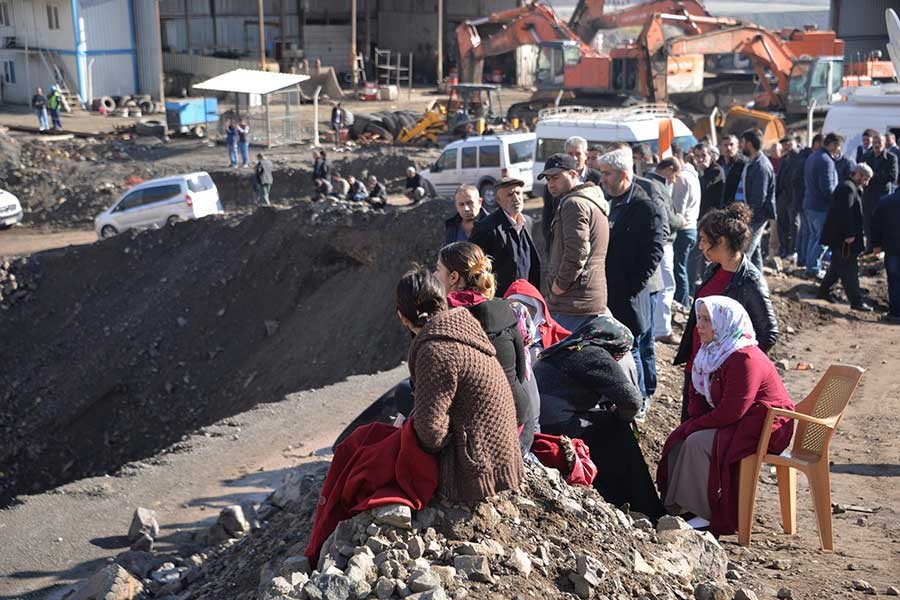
(196, 323)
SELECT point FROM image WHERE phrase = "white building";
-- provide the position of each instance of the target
(87, 47)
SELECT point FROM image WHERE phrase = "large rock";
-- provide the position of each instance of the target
(693, 554)
(112, 582)
(711, 590)
(232, 519)
(475, 568)
(143, 521)
(422, 581)
(396, 515)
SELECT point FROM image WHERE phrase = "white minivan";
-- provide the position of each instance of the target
(634, 125)
(876, 107)
(482, 161)
(10, 210)
(159, 202)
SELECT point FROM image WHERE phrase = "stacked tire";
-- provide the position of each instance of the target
(385, 124)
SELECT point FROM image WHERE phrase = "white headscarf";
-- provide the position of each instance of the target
(732, 330)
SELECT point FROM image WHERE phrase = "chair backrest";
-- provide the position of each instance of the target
(827, 400)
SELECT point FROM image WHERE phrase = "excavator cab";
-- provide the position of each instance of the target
(818, 79)
(553, 59)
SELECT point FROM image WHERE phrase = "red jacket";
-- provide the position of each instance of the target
(742, 390)
(377, 464)
(551, 331)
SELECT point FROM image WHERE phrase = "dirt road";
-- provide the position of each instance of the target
(19, 241)
(62, 535)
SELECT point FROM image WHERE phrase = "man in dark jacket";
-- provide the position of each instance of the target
(505, 236)
(732, 162)
(759, 191)
(469, 211)
(799, 178)
(264, 179)
(866, 145)
(39, 105)
(635, 251)
(657, 185)
(842, 233)
(886, 238)
(885, 172)
(712, 186)
(377, 192)
(784, 197)
(577, 148)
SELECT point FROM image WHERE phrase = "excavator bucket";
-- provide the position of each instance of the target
(739, 119)
(427, 129)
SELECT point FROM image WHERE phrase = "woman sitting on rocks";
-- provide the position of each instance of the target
(465, 273)
(733, 385)
(463, 408)
(724, 235)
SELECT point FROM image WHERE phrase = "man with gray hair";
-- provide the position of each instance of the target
(885, 172)
(635, 251)
(577, 148)
(843, 233)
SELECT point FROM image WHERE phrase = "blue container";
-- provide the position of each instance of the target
(183, 115)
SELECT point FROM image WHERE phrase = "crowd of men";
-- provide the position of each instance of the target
(330, 183)
(620, 225)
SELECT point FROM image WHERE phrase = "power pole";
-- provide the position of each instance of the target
(162, 70)
(353, 42)
(262, 35)
(440, 41)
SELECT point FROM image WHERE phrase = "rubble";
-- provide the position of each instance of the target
(448, 551)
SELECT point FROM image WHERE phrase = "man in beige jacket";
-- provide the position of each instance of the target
(580, 234)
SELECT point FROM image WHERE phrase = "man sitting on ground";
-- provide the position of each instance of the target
(377, 193)
(414, 190)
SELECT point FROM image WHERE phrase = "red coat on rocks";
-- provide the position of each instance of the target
(742, 391)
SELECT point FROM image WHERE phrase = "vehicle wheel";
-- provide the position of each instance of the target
(199, 131)
(359, 126)
(486, 189)
(4, 227)
(108, 231)
(430, 192)
(709, 99)
(173, 220)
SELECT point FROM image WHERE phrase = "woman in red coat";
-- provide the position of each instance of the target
(733, 384)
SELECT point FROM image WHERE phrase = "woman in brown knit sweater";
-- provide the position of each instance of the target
(463, 408)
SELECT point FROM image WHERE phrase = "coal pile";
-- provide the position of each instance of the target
(122, 347)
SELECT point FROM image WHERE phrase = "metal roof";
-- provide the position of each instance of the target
(249, 81)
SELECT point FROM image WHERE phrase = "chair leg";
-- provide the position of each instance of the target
(749, 478)
(820, 488)
(787, 494)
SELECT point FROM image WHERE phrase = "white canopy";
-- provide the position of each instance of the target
(249, 81)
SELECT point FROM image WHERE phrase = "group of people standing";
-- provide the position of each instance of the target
(494, 364)
(51, 105)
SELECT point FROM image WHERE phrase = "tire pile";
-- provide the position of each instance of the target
(382, 127)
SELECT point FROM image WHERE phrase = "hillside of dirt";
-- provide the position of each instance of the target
(67, 183)
(116, 350)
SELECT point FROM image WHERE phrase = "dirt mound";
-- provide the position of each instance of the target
(122, 347)
(549, 540)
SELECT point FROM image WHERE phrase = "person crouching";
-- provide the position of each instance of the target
(464, 409)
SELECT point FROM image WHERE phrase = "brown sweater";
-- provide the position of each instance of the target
(578, 252)
(464, 408)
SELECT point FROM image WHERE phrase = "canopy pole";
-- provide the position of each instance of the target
(316, 115)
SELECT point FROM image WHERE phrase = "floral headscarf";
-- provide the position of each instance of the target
(732, 331)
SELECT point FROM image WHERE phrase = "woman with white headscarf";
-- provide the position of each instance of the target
(733, 384)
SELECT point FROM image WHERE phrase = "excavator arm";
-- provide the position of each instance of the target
(765, 49)
(589, 17)
(530, 24)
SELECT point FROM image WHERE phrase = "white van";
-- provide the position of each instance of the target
(482, 161)
(876, 107)
(159, 202)
(634, 125)
(10, 210)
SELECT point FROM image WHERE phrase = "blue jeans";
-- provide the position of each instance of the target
(800, 247)
(892, 267)
(644, 349)
(573, 322)
(754, 248)
(685, 241)
(245, 153)
(814, 221)
(43, 121)
(232, 154)
(54, 114)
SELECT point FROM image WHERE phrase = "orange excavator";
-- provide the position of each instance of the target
(589, 16)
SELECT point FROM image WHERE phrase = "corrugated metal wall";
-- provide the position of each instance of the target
(330, 43)
(111, 75)
(107, 24)
(146, 30)
(861, 30)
